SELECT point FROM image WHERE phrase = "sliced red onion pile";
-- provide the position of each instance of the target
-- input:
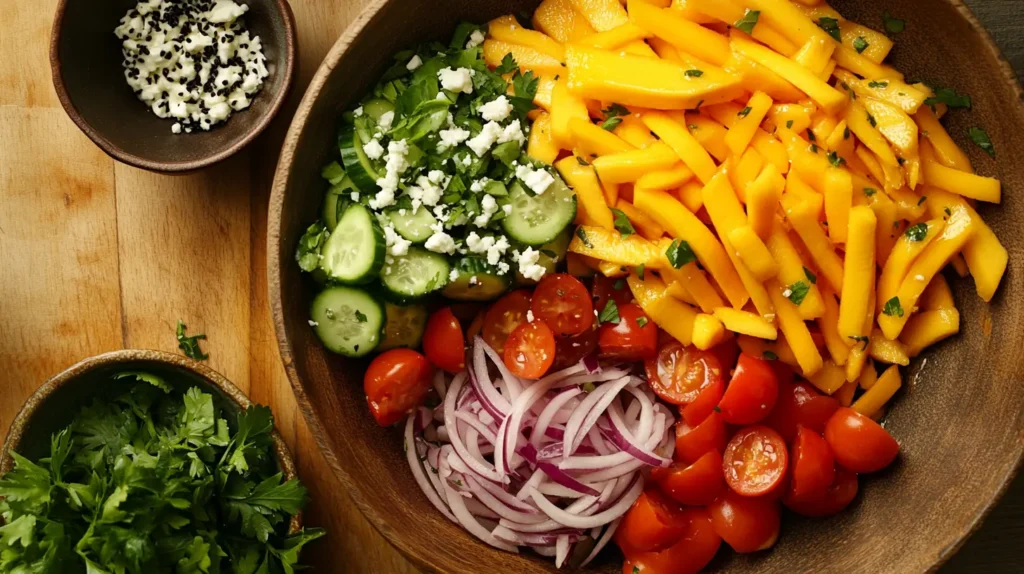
(543, 464)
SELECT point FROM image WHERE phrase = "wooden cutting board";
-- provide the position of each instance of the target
(96, 256)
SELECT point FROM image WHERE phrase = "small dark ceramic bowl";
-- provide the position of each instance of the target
(53, 406)
(85, 58)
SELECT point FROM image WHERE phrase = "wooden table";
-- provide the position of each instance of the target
(96, 256)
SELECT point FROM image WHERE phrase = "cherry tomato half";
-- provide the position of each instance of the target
(752, 392)
(396, 382)
(837, 497)
(696, 484)
(800, 405)
(503, 317)
(727, 353)
(689, 555)
(570, 350)
(563, 302)
(746, 524)
(443, 342)
(859, 443)
(705, 403)
(678, 374)
(606, 288)
(693, 442)
(633, 338)
(530, 350)
(755, 461)
(812, 467)
(652, 523)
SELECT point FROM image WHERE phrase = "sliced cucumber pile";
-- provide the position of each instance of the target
(416, 274)
(354, 253)
(347, 320)
(405, 326)
(538, 219)
(415, 227)
(358, 167)
(476, 281)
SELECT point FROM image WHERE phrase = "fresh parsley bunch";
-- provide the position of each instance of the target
(156, 482)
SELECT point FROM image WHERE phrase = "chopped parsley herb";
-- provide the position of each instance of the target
(694, 73)
(610, 313)
(835, 160)
(679, 253)
(869, 191)
(619, 284)
(769, 356)
(789, 124)
(641, 321)
(876, 84)
(744, 112)
(922, 200)
(360, 316)
(872, 121)
(748, 21)
(797, 292)
(693, 127)
(980, 137)
(893, 25)
(893, 308)
(588, 387)
(615, 110)
(507, 66)
(640, 271)
(814, 148)
(699, 104)
(811, 136)
(860, 44)
(583, 237)
(948, 212)
(636, 570)
(949, 97)
(582, 161)
(901, 161)
(830, 25)
(860, 339)
(622, 223)
(846, 133)
(611, 123)
(190, 345)
(917, 232)
(810, 276)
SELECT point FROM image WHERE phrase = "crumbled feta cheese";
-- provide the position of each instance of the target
(313, 323)
(503, 268)
(475, 39)
(467, 161)
(373, 149)
(479, 185)
(425, 191)
(538, 180)
(485, 139)
(358, 111)
(919, 277)
(414, 62)
(512, 132)
(436, 176)
(496, 110)
(477, 244)
(354, 195)
(460, 80)
(528, 266)
(396, 244)
(787, 293)
(495, 251)
(529, 315)
(451, 137)
(474, 281)
(441, 97)
(489, 207)
(440, 242)
(453, 275)
(385, 121)
(176, 128)
(507, 208)
(395, 165)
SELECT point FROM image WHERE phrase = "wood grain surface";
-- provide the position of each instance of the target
(96, 256)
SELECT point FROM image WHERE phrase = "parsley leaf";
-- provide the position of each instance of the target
(810, 135)
(679, 253)
(694, 73)
(877, 84)
(610, 313)
(893, 308)
(622, 223)
(582, 234)
(748, 21)
(152, 379)
(949, 97)
(980, 137)
(860, 44)
(640, 269)
(615, 110)
(796, 292)
(810, 276)
(872, 121)
(835, 160)
(307, 254)
(789, 124)
(917, 232)
(744, 112)
(508, 65)
(641, 321)
(830, 25)
(860, 339)
(619, 284)
(525, 85)
(893, 25)
(769, 356)
(611, 123)
(360, 316)
(582, 161)
(190, 345)
(869, 191)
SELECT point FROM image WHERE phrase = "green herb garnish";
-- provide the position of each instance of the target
(640, 269)
(834, 159)
(860, 339)
(980, 137)
(610, 313)
(810, 276)
(694, 73)
(641, 321)
(893, 308)
(679, 253)
(189, 345)
(622, 223)
(893, 25)
(583, 237)
(744, 112)
(875, 84)
(830, 25)
(917, 232)
(769, 356)
(748, 21)
(869, 191)
(796, 292)
(860, 44)
(949, 97)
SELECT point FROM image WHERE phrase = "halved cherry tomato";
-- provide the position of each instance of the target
(755, 461)
(678, 374)
(692, 442)
(812, 467)
(476, 327)
(530, 350)
(443, 342)
(705, 403)
(837, 496)
(690, 555)
(694, 485)
(563, 302)
(783, 372)
(800, 405)
(396, 382)
(652, 523)
(606, 288)
(503, 317)
(746, 524)
(752, 392)
(570, 350)
(859, 443)
(633, 338)
(727, 353)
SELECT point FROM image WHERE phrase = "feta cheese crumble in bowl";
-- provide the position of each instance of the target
(172, 85)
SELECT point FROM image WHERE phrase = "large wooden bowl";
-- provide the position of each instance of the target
(959, 420)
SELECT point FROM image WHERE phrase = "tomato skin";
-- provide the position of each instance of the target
(563, 302)
(836, 498)
(693, 442)
(726, 352)
(689, 555)
(396, 382)
(604, 289)
(627, 340)
(679, 374)
(800, 405)
(755, 461)
(443, 341)
(705, 403)
(571, 350)
(746, 524)
(812, 467)
(752, 392)
(653, 523)
(530, 350)
(859, 443)
(693, 485)
(503, 317)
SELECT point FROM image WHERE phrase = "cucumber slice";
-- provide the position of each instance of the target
(355, 250)
(551, 254)
(405, 326)
(538, 219)
(347, 320)
(335, 201)
(477, 281)
(377, 107)
(358, 167)
(413, 226)
(415, 274)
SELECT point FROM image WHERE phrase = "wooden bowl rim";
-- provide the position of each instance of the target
(38, 400)
(173, 167)
(278, 195)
